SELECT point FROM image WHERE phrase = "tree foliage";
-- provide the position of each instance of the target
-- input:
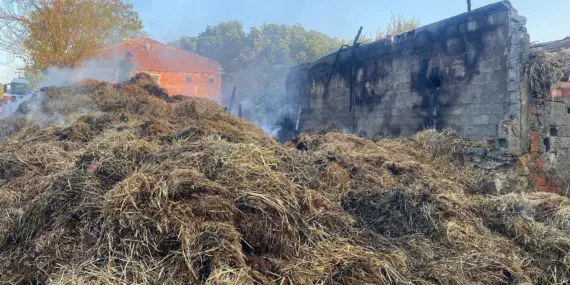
(228, 44)
(398, 25)
(257, 62)
(63, 33)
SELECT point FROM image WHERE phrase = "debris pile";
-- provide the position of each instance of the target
(137, 188)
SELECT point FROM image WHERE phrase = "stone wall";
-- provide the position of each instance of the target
(462, 72)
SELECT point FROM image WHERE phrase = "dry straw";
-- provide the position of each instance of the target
(138, 188)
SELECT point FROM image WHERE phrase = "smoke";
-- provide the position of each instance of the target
(33, 108)
(260, 89)
(102, 70)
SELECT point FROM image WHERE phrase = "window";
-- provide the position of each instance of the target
(553, 131)
(211, 80)
(188, 79)
(156, 77)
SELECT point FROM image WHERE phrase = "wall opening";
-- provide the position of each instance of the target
(503, 143)
(188, 79)
(553, 131)
(547, 144)
(568, 110)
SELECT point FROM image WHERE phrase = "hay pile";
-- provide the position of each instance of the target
(133, 189)
(543, 70)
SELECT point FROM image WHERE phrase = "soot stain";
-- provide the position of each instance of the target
(429, 83)
(366, 96)
(395, 130)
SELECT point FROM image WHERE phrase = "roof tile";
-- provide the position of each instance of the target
(149, 54)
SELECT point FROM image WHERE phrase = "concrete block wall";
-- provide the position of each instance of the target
(462, 72)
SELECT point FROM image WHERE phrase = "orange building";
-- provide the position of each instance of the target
(178, 71)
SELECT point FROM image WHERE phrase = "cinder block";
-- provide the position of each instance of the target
(563, 131)
(560, 143)
(557, 108)
(489, 65)
(479, 132)
(483, 77)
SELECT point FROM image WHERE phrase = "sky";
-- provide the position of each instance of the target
(168, 20)
(547, 19)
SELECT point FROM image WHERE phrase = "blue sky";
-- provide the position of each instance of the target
(167, 20)
(547, 19)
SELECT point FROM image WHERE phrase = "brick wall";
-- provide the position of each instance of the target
(562, 90)
(543, 177)
(550, 141)
(203, 85)
(171, 65)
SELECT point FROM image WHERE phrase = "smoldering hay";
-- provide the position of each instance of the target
(143, 188)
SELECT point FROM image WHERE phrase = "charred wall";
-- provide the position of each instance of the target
(461, 72)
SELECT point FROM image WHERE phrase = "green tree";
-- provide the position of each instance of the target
(257, 62)
(223, 43)
(398, 25)
(186, 43)
(63, 33)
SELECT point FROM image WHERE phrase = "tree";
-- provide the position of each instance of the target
(258, 62)
(186, 43)
(63, 33)
(398, 25)
(223, 43)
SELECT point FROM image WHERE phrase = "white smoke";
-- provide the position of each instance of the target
(102, 70)
(268, 123)
(261, 92)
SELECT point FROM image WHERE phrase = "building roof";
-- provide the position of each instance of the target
(149, 54)
(554, 46)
